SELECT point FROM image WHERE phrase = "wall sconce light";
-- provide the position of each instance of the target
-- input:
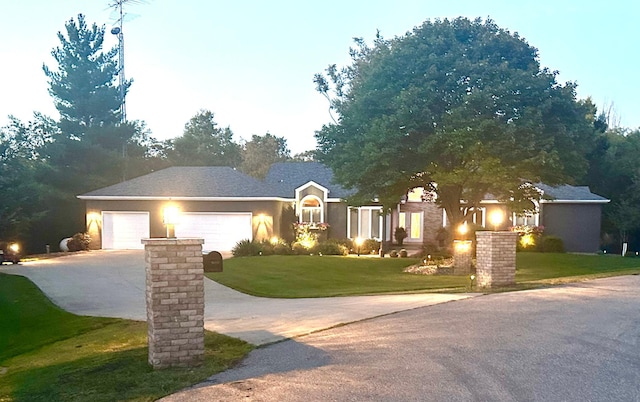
(170, 218)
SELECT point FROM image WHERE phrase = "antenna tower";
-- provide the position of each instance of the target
(117, 30)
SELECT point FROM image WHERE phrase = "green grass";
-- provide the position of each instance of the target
(47, 354)
(556, 268)
(314, 276)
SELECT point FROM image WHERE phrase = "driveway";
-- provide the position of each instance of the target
(109, 283)
(578, 342)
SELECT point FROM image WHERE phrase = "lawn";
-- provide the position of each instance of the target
(47, 354)
(315, 276)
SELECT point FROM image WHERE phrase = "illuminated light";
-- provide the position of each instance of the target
(463, 229)
(527, 240)
(170, 217)
(358, 241)
(15, 247)
(462, 246)
(262, 218)
(275, 240)
(495, 218)
(307, 242)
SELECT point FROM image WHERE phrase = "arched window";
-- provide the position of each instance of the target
(311, 210)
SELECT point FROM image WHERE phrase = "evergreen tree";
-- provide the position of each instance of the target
(83, 86)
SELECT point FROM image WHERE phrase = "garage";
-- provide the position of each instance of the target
(220, 231)
(123, 230)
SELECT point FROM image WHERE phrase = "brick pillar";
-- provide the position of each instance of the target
(495, 258)
(175, 302)
(462, 257)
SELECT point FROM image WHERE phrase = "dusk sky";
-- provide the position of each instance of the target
(252, 62)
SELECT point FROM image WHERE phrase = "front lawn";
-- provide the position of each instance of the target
(47, 354)
(315, 276)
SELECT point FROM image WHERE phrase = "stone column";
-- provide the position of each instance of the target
(495, 258)
(462, 257)
(175, 302)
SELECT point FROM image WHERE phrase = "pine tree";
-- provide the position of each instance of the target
(83, 86)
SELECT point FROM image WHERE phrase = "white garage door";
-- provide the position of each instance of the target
(124, 230)
(220, 231)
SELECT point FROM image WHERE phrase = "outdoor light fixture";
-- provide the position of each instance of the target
(359, 241)
(495, 218)
(463, 229)
(170, 219)
(275, 240)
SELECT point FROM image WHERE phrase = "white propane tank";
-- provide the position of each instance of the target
(63, 244)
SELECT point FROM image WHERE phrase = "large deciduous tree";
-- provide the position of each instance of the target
(261, 152)
(459, 107)
(83, 85)
(615, 173)
(203, 143)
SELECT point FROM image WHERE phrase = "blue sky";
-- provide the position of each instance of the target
(252, 62)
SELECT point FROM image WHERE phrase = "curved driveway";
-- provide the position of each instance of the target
(112, 284)
(578, 342)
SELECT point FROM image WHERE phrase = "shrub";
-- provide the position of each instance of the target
(403, 253)
(400, 234)
(282, 248)
(370, 246)
(298, 249)
(330, 248)
(393, 254)
(246, 248)
(552, 244)
(79, 242)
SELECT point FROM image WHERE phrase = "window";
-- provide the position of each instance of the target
(416, 226)
(365, 222)
(311, 210)
(402, 220)
(526, 219)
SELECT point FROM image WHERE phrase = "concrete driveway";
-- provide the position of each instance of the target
(110, 283)
(579, 342)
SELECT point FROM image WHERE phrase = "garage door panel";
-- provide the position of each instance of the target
(124, 230)
(220, 231)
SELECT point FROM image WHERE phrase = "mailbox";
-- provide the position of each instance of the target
(212, 262)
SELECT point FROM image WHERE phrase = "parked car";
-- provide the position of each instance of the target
(9, 252)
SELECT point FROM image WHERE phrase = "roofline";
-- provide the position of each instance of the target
(605, 201)
(545, 201)
(157, 198)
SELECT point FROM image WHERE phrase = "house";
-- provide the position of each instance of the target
(572, 213)
(223, 206)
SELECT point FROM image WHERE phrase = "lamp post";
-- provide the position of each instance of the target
(495, 218)
(170, 219)
(463, 229)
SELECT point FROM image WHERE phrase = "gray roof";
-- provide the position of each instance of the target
(285, 177)
(566, 192)
(205, 181)
(223, 182)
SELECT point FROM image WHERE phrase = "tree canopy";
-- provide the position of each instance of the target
(83, 86)
(203, 143)
(458, 107)
(261, 152)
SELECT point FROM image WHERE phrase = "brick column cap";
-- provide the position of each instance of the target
(172, 242)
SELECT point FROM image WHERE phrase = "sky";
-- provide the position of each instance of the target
(252, 62)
